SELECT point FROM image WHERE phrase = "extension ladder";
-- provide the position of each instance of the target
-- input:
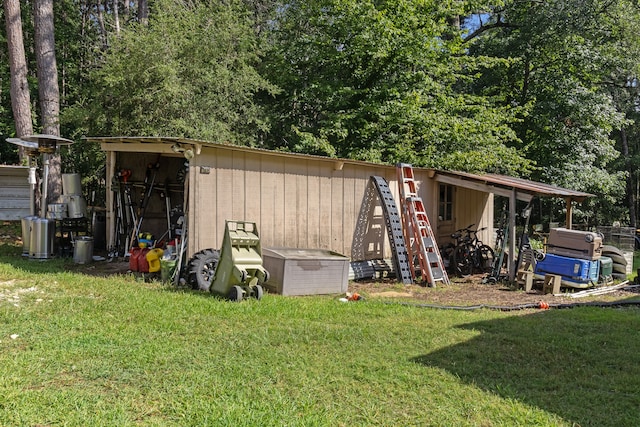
(418, 234)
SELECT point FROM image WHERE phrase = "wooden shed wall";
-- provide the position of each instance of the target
(296, 201)
(475, 207)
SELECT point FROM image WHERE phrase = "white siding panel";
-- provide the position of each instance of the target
(14, 192)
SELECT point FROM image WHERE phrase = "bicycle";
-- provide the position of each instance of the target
(470, 254)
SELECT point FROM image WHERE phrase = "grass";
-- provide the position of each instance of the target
(77, 350)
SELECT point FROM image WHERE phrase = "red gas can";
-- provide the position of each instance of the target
(133, 259)
(143, 264)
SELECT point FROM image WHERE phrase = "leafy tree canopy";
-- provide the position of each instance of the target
(190, 72)
(385, 81)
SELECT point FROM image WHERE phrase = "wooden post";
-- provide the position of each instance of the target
(552, 283)
(512, 236)
(569, 214)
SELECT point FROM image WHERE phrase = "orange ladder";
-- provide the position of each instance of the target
(418, 234)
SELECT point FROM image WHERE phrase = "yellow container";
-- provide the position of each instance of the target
(153, 258)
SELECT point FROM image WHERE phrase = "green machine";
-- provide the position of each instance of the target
(239, 273)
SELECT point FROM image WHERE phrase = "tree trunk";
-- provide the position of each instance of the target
(103, 28)
(143, 12)
(48, 90)
(20, 97)
(125, 12)
(116, 16)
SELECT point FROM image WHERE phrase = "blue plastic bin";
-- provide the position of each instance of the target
(572, 269)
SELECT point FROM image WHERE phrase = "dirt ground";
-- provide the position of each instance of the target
(462, 292)
(469, 291)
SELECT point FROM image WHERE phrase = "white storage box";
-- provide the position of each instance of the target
(305, 271)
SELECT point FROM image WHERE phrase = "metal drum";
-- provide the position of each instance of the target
(42, 238)
(83, 250)
(76, 206)
(71, 184)
(57, 211)
(26, 233)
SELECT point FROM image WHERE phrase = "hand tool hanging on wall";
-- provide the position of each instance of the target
(152, 171)
(129, 217)
(119, 232)
(167, 202)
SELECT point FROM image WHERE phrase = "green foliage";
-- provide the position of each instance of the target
(385, 82)
(562, 56)
(186, 74)
(535, 89)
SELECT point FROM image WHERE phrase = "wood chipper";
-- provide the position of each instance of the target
(239, 273)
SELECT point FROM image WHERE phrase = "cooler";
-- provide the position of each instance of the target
(606, 268)
(574, 243)
(571, 269)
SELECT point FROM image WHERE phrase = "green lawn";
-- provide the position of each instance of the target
(77, 350)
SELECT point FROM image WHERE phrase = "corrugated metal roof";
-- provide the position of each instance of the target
(522, 185)
(502, 181)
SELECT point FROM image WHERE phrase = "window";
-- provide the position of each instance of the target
(445, 203)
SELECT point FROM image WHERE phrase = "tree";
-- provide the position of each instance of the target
(20, 96)
(190, 72)
(49, 93)
(561, 56)
(385, 81)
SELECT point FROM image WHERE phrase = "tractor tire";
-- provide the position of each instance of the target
(202, 268)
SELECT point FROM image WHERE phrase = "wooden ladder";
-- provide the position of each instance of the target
(418, 234)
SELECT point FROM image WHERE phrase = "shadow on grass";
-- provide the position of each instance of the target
(582, 364)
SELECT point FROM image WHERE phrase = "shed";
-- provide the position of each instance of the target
(296, 200)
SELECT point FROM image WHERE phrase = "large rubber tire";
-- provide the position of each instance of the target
(619, 268)
(202, 268)
(462, 263)
(485, 258)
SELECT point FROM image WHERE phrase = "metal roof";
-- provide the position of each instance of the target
(521, 185)
(500, 183)
(202, 143)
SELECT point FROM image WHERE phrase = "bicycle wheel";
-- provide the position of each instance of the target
(462, 260)
(485, 257)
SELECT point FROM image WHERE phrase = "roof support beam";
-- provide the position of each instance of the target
(511, 238)
(504, 192)
(569, 215)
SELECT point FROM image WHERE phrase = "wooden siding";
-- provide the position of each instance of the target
(14, 192)
(296, 201)
(475, 207)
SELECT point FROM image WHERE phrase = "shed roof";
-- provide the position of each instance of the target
(499, 184)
